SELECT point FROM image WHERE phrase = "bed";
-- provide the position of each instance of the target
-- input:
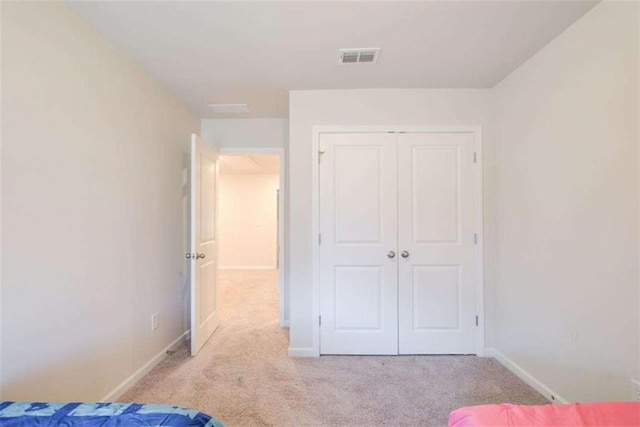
(14, 414)
(612, 414)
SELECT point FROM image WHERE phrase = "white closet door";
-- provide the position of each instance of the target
(436, 243)
(358, 225)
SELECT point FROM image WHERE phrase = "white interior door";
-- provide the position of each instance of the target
(358, 234)
(204, 242)
(437, 259)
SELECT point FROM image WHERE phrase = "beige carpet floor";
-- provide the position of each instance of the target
(243, 375)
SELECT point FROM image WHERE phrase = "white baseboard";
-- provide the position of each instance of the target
(302, 352)
(121, 389)
(247, 267)
(525, 376)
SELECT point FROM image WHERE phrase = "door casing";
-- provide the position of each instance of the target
(315, 218)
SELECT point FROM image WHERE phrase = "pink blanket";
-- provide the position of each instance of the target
(614, 414)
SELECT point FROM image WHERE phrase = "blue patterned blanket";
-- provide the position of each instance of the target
(14, 414)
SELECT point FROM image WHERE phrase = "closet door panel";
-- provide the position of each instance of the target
(436, 228)
(358, 227)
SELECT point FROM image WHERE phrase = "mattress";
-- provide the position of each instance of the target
(14, 414)
(611, 414)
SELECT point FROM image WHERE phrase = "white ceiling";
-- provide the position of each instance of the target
(255, 52)
(249, 164)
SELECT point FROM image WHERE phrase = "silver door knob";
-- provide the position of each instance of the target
(189, 255)
(199, 256)
(404, 254)
(391, 254)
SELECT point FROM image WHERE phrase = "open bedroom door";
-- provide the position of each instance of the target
(203, 242)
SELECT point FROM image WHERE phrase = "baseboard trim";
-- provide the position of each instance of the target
(247, 267)
(525, 376)
(121, 389)
(302, 352)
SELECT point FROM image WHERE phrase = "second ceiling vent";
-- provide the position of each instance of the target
(353, 56)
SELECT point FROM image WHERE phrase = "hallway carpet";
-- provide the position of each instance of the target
(244, 377)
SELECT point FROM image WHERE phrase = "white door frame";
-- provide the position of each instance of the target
(315, 218)
(280, 152)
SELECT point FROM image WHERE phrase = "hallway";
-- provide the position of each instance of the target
(243, 375)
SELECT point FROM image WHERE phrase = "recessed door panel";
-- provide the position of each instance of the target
(358, 227)
(434, 189)
(359, 294)
(357, 194)
(436, 297)
(207, 300)
(208, 197)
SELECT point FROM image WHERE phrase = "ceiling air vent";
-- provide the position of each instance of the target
(352, 56)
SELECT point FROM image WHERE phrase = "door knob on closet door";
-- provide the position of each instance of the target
(405, 254)
(391, 254)
(199, 256)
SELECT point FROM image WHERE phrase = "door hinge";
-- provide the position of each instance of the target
(475, 157)
(476, 320)
(320, 320)
(319, 239)
(320, 153)
(475, 238)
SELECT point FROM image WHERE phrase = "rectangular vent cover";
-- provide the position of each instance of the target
(352, 56)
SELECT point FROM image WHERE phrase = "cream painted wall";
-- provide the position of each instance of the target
(359, 107)
(566, 272)
(93, 223)
(248, 220)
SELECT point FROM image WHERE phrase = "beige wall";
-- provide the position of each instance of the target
(93, 212)
(248, 220)
(566, 273)
(356, 107)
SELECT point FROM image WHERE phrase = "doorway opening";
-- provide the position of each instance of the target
(251, 231)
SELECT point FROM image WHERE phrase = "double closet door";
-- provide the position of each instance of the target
(398, 254)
